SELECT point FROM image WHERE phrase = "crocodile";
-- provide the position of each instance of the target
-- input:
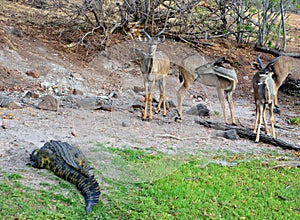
(69, 163)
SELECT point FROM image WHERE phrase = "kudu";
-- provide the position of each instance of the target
(210, 74)
(155, 67)
(282, 68)
(264, 95)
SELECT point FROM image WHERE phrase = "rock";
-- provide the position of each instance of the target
(231, 135)
(291, 87)
(171, 104)
(77, 92)
(137, 104)
(199, 110)
(108, 108)
(7, 102)
(125, 124)
(30, 94)
(48, 103)
(138, 89)
(33, 73)
(112, 95)
(228, 134)
(87, 103)
(220, 133)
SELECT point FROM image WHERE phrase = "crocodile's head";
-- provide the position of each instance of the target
(36, 159)
(41, 158)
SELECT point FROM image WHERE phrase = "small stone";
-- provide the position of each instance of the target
(125, 124)
(142, 99)
(112, 95)
(108, 108)
(33, 73)
(171, 104)
(87, 103)
(138, 89)
(199, 110)
(7, 102)
(48, 103)
(77, 92)
(138, 104)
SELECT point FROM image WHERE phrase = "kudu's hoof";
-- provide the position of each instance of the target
(178, 119)
(276, 110)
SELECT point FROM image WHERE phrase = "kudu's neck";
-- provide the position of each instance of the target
(265, 83)
(149, 59)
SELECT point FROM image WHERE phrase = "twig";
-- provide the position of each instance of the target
(175, 137)
(287, 164)
(90, 33)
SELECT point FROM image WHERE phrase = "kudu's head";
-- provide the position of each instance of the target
(264, 85)
(152, 42)
(267, 69)
(149, 56)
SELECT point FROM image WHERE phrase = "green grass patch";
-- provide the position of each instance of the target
(246, 191)
(295, 121)
(147, 184)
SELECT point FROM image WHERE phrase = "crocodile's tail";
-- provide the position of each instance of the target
(88, 186)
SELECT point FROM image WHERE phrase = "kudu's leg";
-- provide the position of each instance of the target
(146, 99)
(162, 96)
(261, 109)
(278, 83)
(222, 101)
(265, 119)
(230, 103)
(180, 96)
(276, 98)
(150, 99)
(271, 112)
(256, 116)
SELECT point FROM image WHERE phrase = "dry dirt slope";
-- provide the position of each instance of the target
(114, 71)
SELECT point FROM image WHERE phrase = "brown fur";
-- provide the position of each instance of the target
(264, 95)
(188, 72)
(282, 68)
(155, 68)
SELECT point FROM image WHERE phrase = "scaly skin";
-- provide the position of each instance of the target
(68, 163)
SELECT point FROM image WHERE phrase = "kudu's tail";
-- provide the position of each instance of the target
(180, 77)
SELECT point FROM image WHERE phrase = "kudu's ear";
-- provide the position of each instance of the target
(219, 61)
(138, 52)
(160, 39)
(255, 66)
(157, 38)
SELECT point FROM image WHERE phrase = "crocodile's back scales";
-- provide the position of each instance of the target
(68, 163)
(71, 155)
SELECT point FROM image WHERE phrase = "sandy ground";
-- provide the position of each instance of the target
(113, 72)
